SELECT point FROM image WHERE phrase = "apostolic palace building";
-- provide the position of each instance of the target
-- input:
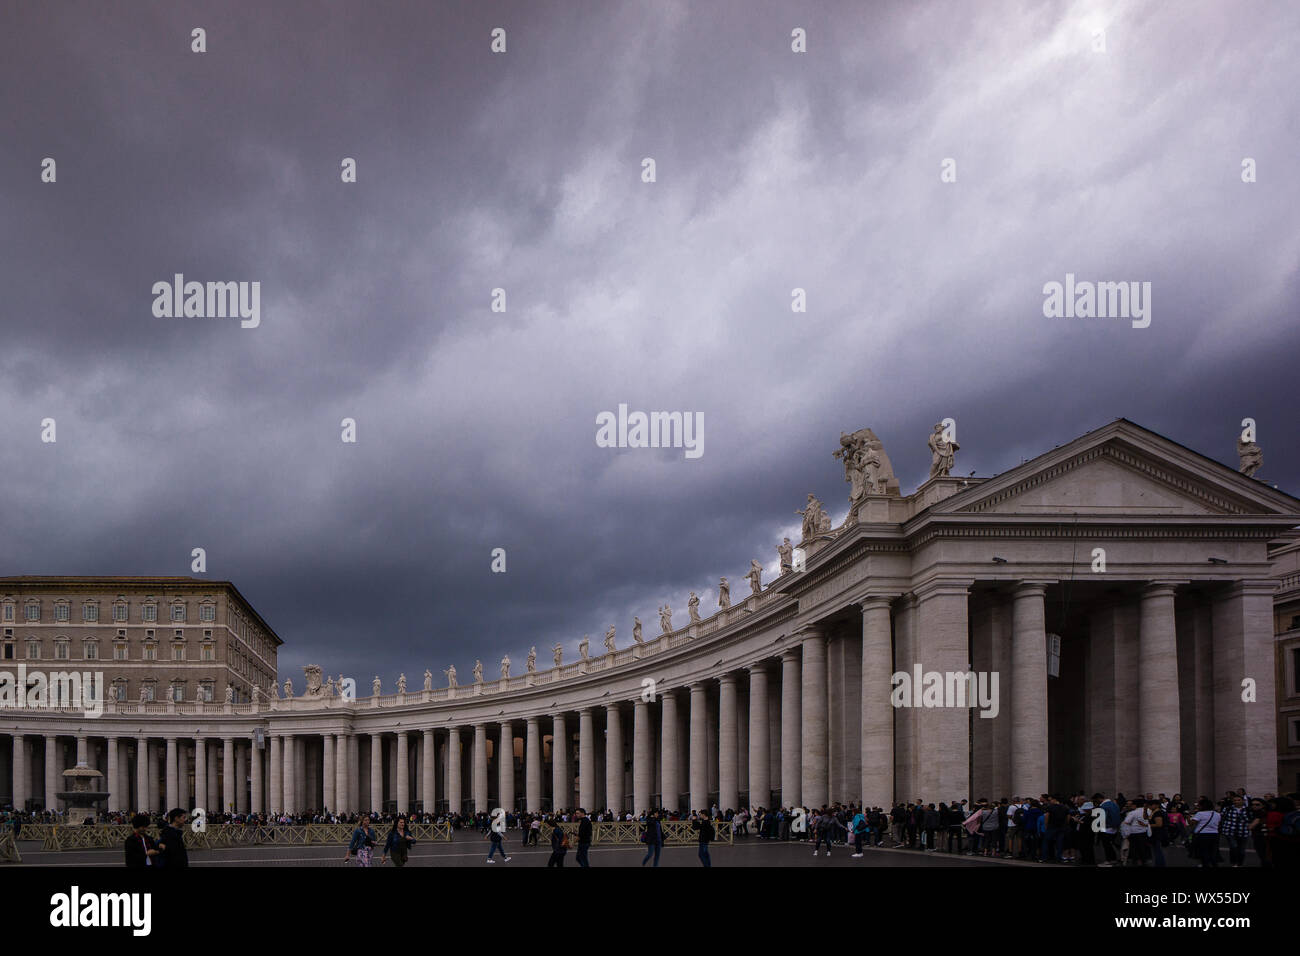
(1124, 611)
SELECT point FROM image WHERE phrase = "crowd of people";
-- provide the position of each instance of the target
(1077, 829)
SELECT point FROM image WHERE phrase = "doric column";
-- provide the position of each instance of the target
(455, 793)
(943, 647)
(506, 766)
(403, 773)
(343, 771)
(213, 797)
(813, 785)
(587, 759)
(51, 771)
(1159, 747)
(183, 773)
(201, 775)
(173, 775)
(561, 777)
(670, 761)
(377, 773)
(142, 774)
(533, 765)
(791, 728)
(330, 781)
(699, 753)
(241, 776)
(1245, 731)
(643, 763)
(259, 785)
(614, 785)
(275, 786)
(728, 745)
(116, 800)
(877, 747)
(480, 769)
(290, 746)
(428, 798)
(760, 772)
(228, 775)
(155, 798)
(1029, 691)
(22, 775)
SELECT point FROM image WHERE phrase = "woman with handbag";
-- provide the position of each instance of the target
(399, 843)
(1205, 833)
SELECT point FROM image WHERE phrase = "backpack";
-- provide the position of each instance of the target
(1019, 816)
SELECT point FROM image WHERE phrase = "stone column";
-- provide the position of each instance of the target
(330, 773)
(377, 773)
(276, 784)
(428, 796)
(561, 777)
(82, 760)
(403, 773)
(1029, 691)
(1245, 731)
(533, 765)
(1159, 747)
(943, 646)
(669, 755)
(343, 771)
(615, 798)
(142, 774)
(241, 776)
(155, 799)
(877, 745)
(228, 775)
(587, 759)
(506, 766)
(728, 745)
(814, 776)
(173, 775)
(480, 769)
(699, 752)
(183, 773)
(643, 763)
(791, 728)
(22, 775)
(201, 775)
(760, 772)
(259, 786)
(455, 796)
(116, 799)
(213, 797)
(289, 751)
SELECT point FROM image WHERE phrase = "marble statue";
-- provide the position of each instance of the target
(1251, 455)
(823, 523)
(230, 694)
(786, 551)
(505, 667)
(866, 466)
(942, 453)
(583, 647)
(755, 576)
(314, 686)
(557, 653)
(273, 690)
(257, 694)
(812, 517)
(339, 683)
(144, 693)
(666, 619)
(724, 594)
(609, 640)
(428, 679)
(450, 674)
(401, 683)
(636, 630)
(288, 688)
(331, 689)
(478, 672)
(531, 664)
(693, 608)
(375, 685)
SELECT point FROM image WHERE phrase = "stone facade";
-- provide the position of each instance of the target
(1121, 588)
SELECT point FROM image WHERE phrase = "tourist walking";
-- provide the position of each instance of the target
(653, 838)
(1205, 833)
(140, 850)
(559, 844)
(399, 843)
(584, 837)
(362, 845)
(702, 825)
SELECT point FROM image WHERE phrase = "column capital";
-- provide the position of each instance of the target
(871, 602)
(942, 586)
(791, 654)
(806, 632)
(1030, 588)
(1154, 589)
(727, 678)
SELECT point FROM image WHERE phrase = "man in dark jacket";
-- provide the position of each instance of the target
(702, 825)
(559, 844)
(140, 851)
(584, 837)
(171, 841)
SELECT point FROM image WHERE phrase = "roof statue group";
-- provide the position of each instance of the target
(867, 470)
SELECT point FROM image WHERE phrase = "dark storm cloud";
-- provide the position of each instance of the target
(522, 171)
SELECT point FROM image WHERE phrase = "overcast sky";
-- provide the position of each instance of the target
(476, 429)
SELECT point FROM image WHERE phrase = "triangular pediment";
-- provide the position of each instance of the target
(1121, 469)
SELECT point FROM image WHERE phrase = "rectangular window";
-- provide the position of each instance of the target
(1295, 670)
(33, 650)
(120, 652)
(178, 652)
(92, 651)
(208, 654)
(90, 613)
(119, 693)
(208, 612)
(149, 612)
(119, 612)
(178, 612)
(178, 693)
(9, 612)
(150, 653)
(32, 612)
(61, 651)
(9, 652)
(61, 612)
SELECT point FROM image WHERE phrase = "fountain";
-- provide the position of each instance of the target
(81, 800)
